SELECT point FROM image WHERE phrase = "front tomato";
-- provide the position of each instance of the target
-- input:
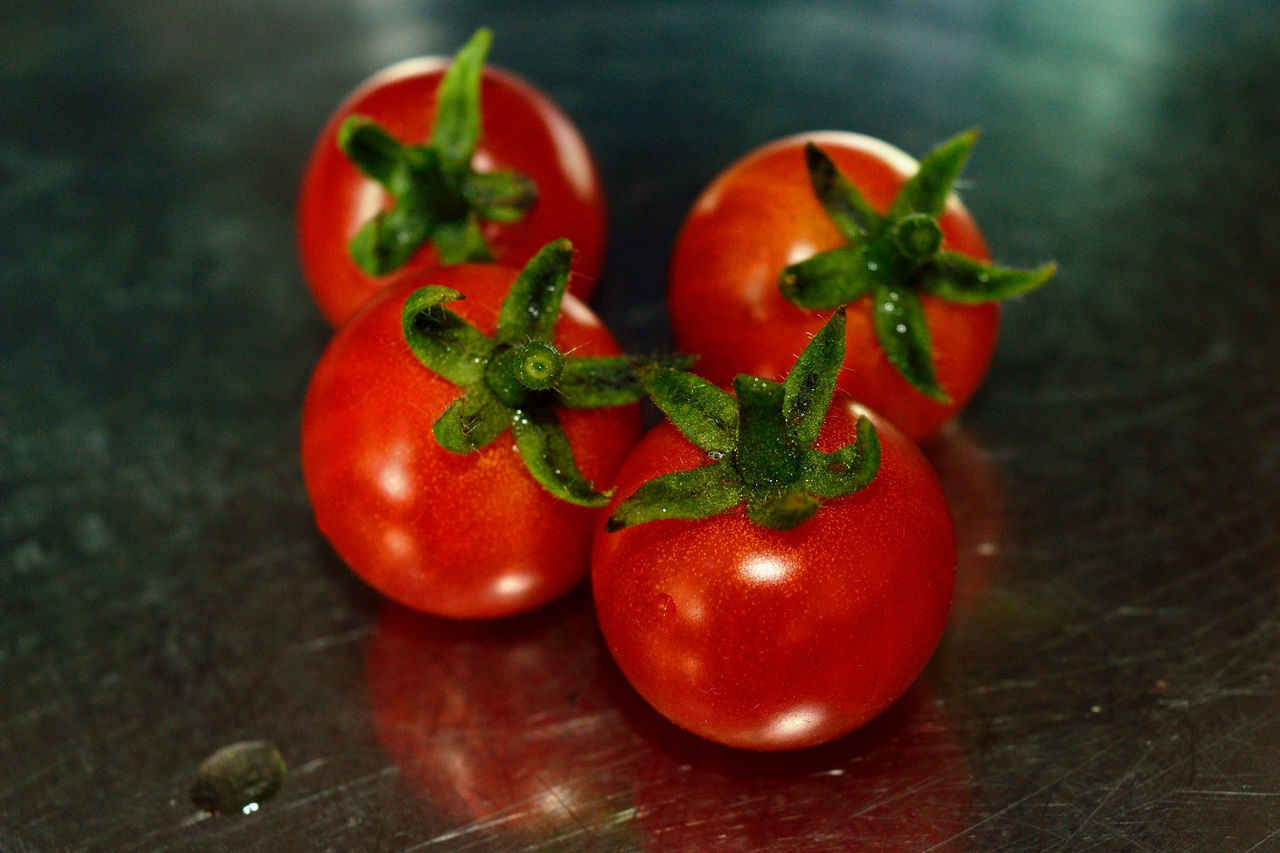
(789, 588)
(519, 132)
(913, 355)
(767, 639)
(456, 534)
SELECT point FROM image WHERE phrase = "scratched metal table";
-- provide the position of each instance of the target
(1109, 679)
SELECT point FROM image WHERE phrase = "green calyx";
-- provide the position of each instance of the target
(518, 377)
(760, 440)
(437, 196)
(896, 256)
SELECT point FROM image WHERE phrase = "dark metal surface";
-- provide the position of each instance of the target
(1109, 680)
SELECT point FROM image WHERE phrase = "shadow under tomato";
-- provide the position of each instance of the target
(505, 727)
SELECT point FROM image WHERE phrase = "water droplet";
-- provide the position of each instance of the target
(900, 329)
(238, 777)
(715, 455)
(872, 266)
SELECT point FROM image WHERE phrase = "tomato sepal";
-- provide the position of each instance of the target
(443, 341)
(516, 378)
(959, 278)
(903, 334)
(437, 196)
(895, 257)
(845, 205)
(690, 494)
(592, 382)
(547, 454)
(704, 413)
(470, 422)
(929, 188)
(759, 440)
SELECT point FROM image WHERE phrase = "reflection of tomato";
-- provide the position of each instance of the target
(900, 783)
(464, 535)
(521, 130)
(970, 477)
(506, 725)
(761, 215)
(779, 639)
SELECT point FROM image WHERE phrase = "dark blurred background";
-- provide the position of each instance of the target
(1108, 681)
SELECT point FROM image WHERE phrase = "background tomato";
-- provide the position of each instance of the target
(768, 639)
(761, 215)
(521, 129)
(461, 535)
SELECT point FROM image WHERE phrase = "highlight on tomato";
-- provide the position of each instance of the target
(454, 449)
(814, 221)
(438, 162)
(779, 562)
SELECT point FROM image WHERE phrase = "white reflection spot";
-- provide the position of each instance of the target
(398, 543)
(557, 800)
(513, 585)
(369, 201)
(574, 159)
(801, 251)
(764, 570)
(794, 724)
(393, 479)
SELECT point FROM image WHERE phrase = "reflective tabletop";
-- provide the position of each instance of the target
(1110, 675)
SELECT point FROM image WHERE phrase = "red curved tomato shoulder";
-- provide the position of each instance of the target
(761, 215)
(767, 639)
(458, 535)
(521, 129)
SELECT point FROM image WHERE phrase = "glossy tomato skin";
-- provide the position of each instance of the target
(521, 129)
(761, 215)
(772, 640)
(458, 535)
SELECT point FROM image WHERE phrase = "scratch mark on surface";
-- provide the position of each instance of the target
(1259, 846)
(320, 644)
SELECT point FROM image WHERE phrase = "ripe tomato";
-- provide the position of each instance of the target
(762, 215)
(521, 130)
(463, 535)
(778, 639)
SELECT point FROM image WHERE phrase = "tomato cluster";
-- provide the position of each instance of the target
(773, 564)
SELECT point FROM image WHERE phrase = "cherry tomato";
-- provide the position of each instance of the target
(463, 535)
(771, 639)
(521, 130)
(761, 216)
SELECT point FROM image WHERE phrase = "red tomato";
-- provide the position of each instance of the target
(460, 535)
(768, 639)
(759, 216)
(521, 129)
